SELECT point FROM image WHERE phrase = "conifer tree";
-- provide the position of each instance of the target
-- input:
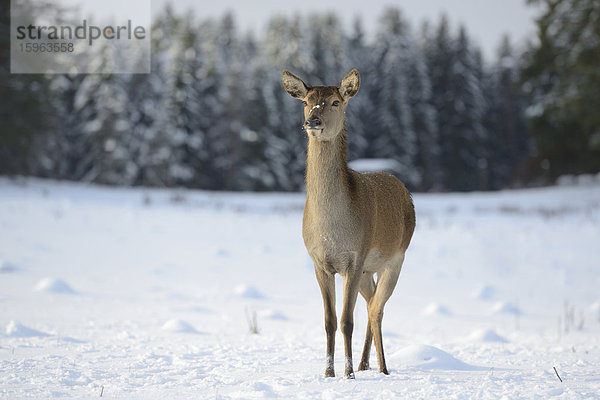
(562, 80)
(504, 119)
(361, 116)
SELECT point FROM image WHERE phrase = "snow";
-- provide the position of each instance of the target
(54, 285)
(428, 357)
(504, 307)
(316, 106)
(150, 294)
(178, 326)
(486, 335)
(436, 309)
(8, 267)
(16, 329)
(248, 291)
(375, 164)
(484, 292)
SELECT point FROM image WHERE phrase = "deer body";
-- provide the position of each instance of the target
(354, 224)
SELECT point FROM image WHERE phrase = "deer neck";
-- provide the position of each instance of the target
(327, 172)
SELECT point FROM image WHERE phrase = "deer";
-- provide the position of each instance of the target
(354, 224)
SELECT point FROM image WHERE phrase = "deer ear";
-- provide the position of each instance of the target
(350, 84)
(294, 85)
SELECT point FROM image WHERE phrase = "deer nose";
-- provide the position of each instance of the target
(313, 123)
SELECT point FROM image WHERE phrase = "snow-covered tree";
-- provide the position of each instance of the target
(424, 123)
(253, 170)
(362, 112)
(508, 137)
(212, 113)
(456, 71)
(28, 115)
(467, 154)
(328, 49)
(562, 80)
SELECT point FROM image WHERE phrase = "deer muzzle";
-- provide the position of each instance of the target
(313, 124)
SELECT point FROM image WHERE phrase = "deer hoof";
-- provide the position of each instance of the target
(329, 373)
(384, 371)
(350, 375)
(363, 366)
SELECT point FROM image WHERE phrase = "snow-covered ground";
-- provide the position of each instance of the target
(151, 294)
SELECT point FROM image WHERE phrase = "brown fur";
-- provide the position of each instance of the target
(354, 224)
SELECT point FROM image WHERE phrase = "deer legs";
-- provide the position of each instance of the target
(386, 281)
(376, 295)
(351, 285)
(327, 284)
(367, 288)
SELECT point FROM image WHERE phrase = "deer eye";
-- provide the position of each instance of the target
(304, 104)
(335, 103)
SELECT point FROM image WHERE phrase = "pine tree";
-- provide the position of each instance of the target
(509, 141)
(285, 46)
(111, 136)
(424, 123)
(562, 80)
(165, 145)
(234, 71)
(361, 115)
(253, 171)
(77, 148)
(144, 113)
(27, 106)
(207, 148)
(467, 139)
(456, 74)
(212, 114)
(286, 144)
(328, 49)
(440, 59)
(396, 49)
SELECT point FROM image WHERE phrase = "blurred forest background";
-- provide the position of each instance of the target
(213, 114)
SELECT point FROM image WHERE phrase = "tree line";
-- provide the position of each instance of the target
(213, 114)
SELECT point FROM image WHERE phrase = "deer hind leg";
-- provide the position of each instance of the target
(386, 282)
(327, 284)
(367, 288)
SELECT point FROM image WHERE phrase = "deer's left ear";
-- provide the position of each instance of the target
(350, 84)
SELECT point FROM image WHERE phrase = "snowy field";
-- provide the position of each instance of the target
(151, 294)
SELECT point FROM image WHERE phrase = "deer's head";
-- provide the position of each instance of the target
(324, 106)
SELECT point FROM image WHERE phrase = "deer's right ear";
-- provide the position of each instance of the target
(294, 85)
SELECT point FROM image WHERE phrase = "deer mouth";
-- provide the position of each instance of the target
(314, 132)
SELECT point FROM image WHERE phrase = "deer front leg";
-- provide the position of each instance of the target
(327, 284)
(351, 286)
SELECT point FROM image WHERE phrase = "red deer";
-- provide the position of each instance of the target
(354, 224)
